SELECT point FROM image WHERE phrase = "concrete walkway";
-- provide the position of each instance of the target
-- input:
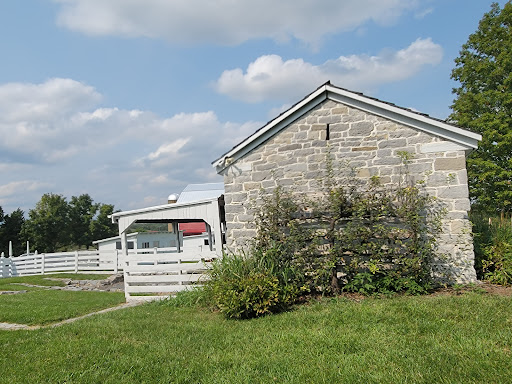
(18, 327)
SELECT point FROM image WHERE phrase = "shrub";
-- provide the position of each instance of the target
(244, 287)
(493, 248)
(358, 238)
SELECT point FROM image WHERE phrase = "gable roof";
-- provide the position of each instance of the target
(467, 139)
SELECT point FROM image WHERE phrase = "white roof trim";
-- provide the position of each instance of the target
(403, 116)
(116, 216)
(273, 126)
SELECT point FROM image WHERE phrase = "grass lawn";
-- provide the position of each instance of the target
(43, 306)
(43, 280)
(463, 338)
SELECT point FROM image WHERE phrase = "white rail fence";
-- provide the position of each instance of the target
(164, 271)
(148, 273)
(71, 262)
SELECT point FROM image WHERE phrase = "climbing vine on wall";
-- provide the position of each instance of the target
(354, 236)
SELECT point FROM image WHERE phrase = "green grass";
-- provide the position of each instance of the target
(43, 280)
(49, 306)
(41, 306)
(34, 280)
(429, 339)
(79, 276)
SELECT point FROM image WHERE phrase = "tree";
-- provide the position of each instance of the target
(81, 213)
(10, 230)
(48, 224)
(483, 104)
(102, 227)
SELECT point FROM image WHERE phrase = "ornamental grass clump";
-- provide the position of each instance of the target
(243, 287)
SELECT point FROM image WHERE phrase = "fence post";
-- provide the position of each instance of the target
(76, 261)
(10, 268)
(116, 266)
(42, 262)
(180, 273)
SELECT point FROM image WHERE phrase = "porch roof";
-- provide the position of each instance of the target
(206, 210)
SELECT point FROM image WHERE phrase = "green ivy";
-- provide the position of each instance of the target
(357, 238)
(354, 237)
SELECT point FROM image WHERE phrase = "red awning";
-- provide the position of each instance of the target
(190, 229)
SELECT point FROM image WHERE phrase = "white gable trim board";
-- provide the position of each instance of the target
(464, 139)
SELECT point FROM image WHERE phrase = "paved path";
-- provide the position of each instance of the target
(17, 327)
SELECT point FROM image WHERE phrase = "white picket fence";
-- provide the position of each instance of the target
(71, 262)
(163, 272)
(148, 273)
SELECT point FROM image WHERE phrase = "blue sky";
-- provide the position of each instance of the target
(131, 100)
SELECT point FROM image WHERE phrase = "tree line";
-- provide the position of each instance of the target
(56, 224)
(483, 104)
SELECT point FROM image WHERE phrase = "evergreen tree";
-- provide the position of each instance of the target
(483, 104)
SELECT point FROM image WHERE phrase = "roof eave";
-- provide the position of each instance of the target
(270, 129)
(404, 116)
(412, 119)
(116, 216)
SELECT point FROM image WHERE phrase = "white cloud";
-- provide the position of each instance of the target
(226, 21)
(16, 187)
(37, 120)
(103, 151)
(269, 77)
(423, 13)
(53, 99)
(167, 152)
(193, 136)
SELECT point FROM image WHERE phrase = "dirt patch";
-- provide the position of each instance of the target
(13, 292)
(114, 283)
(480, 287)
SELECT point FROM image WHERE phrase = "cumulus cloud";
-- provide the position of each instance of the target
(194, 136)
(16, 187)
(12, 192)
(67, 140)
(225, 21)
(270, 77)
(36, 120)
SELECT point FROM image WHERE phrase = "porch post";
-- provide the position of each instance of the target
(124, 261)
(210, 238)
(215, 220)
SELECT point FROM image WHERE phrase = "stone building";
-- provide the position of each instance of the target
(366, 134)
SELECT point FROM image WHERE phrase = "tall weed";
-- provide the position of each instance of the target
(493, 248)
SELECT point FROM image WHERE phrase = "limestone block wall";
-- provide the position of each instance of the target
(295, 158)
